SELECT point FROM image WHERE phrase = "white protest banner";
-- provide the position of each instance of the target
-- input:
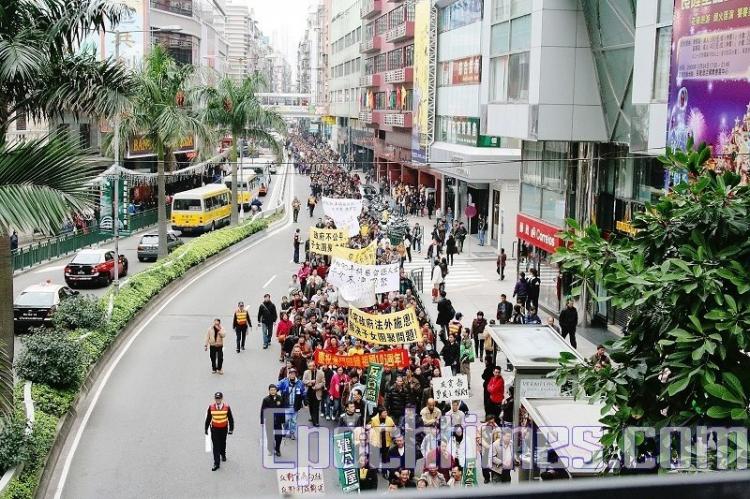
(360, 296)
(344, 212)
(451, 388)
(344, 273)
(300, 481)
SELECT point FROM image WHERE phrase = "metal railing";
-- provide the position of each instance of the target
(417, 279)
(54, 247)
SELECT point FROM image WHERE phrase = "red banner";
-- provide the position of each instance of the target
(537, 233)
(396, 357)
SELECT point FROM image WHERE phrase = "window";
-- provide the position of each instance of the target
(182, 7)
(520, 33)
(531, 200)
(500, 38)
(498, 78)
(665, 12)
(458, 14)
(21, 121)
(518, 77)
(661, 66)
(505, 9)
(553, 207)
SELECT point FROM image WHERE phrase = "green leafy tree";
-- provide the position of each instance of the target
(43, 76)
(686, 275)
(234, 108)
(163, 111)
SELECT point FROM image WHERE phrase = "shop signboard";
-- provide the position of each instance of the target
(538, 233)
(140, 146)
(420, 101)
(464, 131)
(708, 84)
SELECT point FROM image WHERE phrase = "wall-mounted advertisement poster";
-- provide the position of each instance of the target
(709, 89)
(420, 101)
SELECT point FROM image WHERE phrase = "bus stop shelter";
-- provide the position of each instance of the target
(534, 351)
(561, 438)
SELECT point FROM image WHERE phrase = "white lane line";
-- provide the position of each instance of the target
(269, 281)
(110, 370)
(49, 269)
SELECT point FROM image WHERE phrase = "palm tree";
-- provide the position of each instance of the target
(234, 108)
(162, 112)
(42, 76)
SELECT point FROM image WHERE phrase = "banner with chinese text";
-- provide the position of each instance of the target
(322, 241)
(344, 273)
(451, 388)
(344, 460)
(397, 357)
(364, 256)
(374, 377)
(385, 329)
(344, 212)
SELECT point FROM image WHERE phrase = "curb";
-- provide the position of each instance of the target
(68, 421)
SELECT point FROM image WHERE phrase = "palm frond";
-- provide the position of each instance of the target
(42, 182)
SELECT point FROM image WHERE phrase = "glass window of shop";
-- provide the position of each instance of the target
(182, 47)
(182, 7)
(505, 9)
(458, 14)
(661, 65)
(544, 174)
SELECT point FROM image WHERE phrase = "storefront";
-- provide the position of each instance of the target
(538, 241)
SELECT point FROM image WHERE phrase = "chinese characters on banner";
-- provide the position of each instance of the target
(374, 377)
(343, 458)
(364, 256)
(708, 85)
(345, 274)
(465, 71)
(451, 388)
(344, 212)
(396, 357)
(300, 481)
(322, 241)
(385, 329)
(357, 296)
(469, 478)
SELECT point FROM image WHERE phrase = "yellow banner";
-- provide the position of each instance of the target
(385, 329)
(364, 256)
(322, 241)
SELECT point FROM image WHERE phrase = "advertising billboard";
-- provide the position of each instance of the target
(420, 109)
(709, 90)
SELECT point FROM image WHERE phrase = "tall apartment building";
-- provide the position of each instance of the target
(345, 62)
(312, 63)
(246, 47)
(388, 54)
(281, 73)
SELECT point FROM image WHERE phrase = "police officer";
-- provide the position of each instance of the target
(240, 324)
(272, 418)
(219, 418)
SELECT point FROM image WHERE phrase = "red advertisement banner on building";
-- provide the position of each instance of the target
(538, 233)
(466, 71)
(395, 357)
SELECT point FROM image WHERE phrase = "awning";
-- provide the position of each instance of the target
(475, 164)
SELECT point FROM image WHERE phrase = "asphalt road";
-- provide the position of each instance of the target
(144, 436)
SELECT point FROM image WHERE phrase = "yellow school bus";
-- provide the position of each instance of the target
(248, 184)
(202, 209)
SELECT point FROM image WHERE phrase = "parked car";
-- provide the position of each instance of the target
(272, 169)
(95, 266)
(35, 305)
(148, 247)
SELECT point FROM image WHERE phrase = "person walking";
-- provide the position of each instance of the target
(296, 242)
(521, 290)
(292, 392)
(267, 316)
(504, 310)
(220, 421)
(295, 208)
(417, 238)
(502, 259)
(311, 202)
(569, 322)
(466, 355)
(430, 206)
(461, 234)
(451, 354)
(240, 323)
(407, 247)
(482, 229)
(272, 419)
(496, 393)
(477, 332)
(534, 287)
(314, 380)
(214, 344)
(451, 248)
(14, 242)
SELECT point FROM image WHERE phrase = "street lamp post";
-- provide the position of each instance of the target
(116, 131)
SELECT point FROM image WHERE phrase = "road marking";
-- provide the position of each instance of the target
(151, 317)
(49, 269)
(269, 281)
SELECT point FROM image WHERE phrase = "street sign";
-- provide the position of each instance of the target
(470, 211)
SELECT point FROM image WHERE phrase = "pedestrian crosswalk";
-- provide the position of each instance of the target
(460, 274)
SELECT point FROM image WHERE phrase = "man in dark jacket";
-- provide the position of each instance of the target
(504, 310)
(477, 332)
(521, 290)
(534, 285)
(569, 322)
(272, 407)
(267, 316)
(396, 399)
(445, 314)
(450, 354)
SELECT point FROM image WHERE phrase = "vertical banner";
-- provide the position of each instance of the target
(343, 457)
(470, 472)
(374, 377)
(322, 241)
(421, 87)
(709, 87)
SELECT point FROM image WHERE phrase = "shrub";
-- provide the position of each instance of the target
(14, 442)
(79, 312)
(55, 401)
(51, 357)
(24, 485)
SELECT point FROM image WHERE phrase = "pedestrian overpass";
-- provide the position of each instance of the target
(291, 105)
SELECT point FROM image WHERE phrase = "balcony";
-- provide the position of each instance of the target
(371, 80)
(370, 8)
(369, 118)
(401, 75)
(399, 119)
(372, 45)
(400, 33)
